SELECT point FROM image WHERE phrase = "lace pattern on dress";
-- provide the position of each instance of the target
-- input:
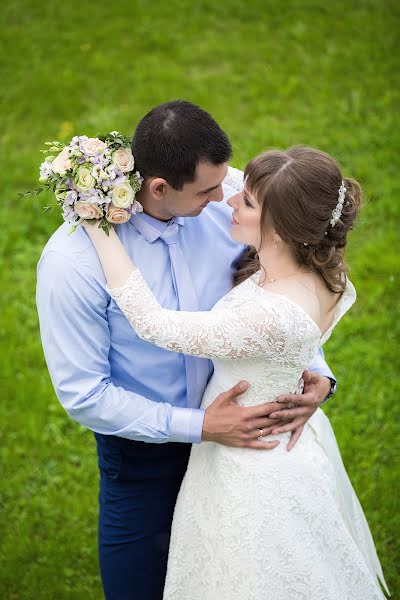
(250, 524)
(242, 325)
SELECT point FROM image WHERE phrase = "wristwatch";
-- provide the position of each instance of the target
(333, 388)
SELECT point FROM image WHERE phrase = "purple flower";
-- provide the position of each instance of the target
(68, 213)
(45, 171)
(82, 139)
(94, 196)
(118, 180)
(71, 197)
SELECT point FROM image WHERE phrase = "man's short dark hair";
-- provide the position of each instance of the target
(173, 138)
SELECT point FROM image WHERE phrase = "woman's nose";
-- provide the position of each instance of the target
(233, 201)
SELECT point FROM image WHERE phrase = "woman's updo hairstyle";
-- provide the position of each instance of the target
(298, 190)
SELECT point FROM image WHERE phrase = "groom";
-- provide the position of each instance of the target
(141, 401)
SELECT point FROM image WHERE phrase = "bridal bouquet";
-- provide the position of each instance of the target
(93, 179)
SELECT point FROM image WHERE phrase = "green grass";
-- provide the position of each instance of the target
(273, 74)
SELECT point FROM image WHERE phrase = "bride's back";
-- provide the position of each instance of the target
(310, 292)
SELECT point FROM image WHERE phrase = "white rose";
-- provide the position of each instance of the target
(123, 159)
(116, 215)
(61, 192)
(84, 179)
(87, 210)
(123, 195)
(62, 163)
(93, 146)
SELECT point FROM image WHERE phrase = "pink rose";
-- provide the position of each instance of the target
(123, 160)
(116, 215)
(93, 146)
(62, 163)
(87, 210)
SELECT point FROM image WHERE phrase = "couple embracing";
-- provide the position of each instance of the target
(190, 341)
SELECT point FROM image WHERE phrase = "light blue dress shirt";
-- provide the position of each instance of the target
(104, 375)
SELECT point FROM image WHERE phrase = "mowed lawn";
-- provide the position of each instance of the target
(273, 74)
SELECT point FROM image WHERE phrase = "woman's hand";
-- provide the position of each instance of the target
(91, 227)
(316, 389)
(96, 233)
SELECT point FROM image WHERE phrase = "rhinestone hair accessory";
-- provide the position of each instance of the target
(337, 211)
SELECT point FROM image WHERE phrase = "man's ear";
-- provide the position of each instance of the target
(158, 187)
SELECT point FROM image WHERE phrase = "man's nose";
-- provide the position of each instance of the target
(217, 195)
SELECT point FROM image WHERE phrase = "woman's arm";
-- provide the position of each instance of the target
(238, 332)
(117, 265)
(245, 330)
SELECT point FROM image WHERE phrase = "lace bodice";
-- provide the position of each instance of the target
(248, 323)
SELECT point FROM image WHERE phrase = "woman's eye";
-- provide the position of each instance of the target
(246, 201)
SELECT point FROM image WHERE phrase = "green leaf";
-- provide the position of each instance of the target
(105, 226)
(75, 227)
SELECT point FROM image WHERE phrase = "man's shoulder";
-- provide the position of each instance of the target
(72, 245)
(68, 252)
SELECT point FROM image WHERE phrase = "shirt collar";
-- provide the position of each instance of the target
(150, 227)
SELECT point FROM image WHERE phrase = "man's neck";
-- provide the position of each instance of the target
(149, 206)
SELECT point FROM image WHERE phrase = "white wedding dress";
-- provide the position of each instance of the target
(250, 524)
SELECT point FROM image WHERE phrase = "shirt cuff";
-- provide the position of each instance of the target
(320, 366)
(186, 425)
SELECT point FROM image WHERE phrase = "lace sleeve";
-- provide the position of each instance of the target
(245, 330)
(234, 178)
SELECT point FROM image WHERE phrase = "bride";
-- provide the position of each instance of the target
(277, 525)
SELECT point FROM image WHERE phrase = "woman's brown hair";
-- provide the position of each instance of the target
(298, 189)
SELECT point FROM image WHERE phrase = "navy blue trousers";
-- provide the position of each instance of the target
(139, 484)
